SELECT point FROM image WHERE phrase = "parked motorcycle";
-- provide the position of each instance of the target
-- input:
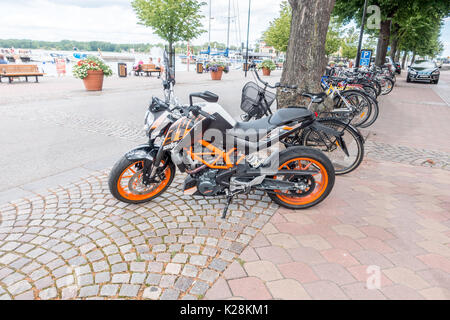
(221, 156)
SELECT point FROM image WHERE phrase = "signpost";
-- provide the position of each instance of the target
(364, 60)
(361, 32)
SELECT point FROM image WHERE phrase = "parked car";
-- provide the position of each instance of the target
(423, 70)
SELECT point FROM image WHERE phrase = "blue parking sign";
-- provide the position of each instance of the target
(365, 57)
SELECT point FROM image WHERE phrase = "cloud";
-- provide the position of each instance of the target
(115, 20)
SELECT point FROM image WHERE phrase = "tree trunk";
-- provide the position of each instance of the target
(305, 57)
(405, 54)
(413, 57)
(394, 42)
(383, 42)
(397, 55)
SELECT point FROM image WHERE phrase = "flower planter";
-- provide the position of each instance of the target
(94, 80)
(217, 75)
(266, 71)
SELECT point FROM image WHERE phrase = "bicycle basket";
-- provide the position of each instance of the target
(250, 102)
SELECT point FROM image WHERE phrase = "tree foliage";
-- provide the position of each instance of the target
(277, 35)
(407, 18)
(171, 20)
(334, 40)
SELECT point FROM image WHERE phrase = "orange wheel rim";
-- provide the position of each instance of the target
(131, 178)
(319, 187)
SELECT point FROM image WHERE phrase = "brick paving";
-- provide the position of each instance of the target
(390, 216)
(382, 234)
(77, 241)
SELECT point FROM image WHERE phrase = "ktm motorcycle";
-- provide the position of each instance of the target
(222, 157)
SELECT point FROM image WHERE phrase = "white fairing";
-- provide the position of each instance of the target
(212, 108)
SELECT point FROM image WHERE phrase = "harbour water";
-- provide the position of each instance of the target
(46, 63)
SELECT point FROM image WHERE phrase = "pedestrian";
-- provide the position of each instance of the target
(150, 61)
(2, 59)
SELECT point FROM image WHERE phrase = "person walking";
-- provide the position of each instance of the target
(2, 59)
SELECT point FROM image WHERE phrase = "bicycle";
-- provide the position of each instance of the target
(256, 103)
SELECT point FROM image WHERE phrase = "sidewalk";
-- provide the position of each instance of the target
(66, 237)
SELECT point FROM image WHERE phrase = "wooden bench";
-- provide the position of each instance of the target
(149, 69)
(19, 70)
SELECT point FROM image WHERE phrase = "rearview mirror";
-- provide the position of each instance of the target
(208, 96)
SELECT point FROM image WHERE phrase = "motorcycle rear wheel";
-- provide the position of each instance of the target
(308, 159)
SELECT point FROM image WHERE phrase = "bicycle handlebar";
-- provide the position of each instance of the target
(277, 85)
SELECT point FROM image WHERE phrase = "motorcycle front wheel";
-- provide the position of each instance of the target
(126, 184)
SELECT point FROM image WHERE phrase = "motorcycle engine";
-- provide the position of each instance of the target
(207, 185)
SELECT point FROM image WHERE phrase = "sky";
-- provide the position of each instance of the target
(115, 21)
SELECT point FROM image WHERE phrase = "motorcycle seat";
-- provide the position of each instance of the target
(279, 118)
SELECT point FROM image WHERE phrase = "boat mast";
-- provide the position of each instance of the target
(209, 33)
(229, 20)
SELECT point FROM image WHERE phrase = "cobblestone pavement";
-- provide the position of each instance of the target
(384, 233)
(79, 242)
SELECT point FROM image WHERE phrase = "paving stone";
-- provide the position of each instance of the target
(183, 283)
(49, 293)
(152, 293)
(208, 275)
(287, 289)
(153, 279)
(198, 260)
(89, 291)
(102, 277)
(190, 271)
(199, 288)
(138, 277)
(170, 294)
(121, 278)
(218, 265)
(129, 290)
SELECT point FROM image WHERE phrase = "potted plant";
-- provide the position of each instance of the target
(92, 70)
(267, 67)
(217, 69)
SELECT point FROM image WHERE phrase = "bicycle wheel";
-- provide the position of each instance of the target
(373, 115)
(360, 104)
(387, 85)
(328, 144)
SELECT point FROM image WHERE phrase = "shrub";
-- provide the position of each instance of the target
(214, 66)
(80, 70)
(268, 64)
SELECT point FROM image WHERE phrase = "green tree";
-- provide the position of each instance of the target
(350, 44)
(277, 35)
(172, 20)
(391, 12)
(333, 41)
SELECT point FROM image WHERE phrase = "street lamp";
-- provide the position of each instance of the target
(248, 33)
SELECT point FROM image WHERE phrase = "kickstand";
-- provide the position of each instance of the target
(229, 199)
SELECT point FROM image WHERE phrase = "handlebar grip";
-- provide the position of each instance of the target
(206, 114)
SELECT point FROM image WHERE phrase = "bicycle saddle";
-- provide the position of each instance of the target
(315, 97)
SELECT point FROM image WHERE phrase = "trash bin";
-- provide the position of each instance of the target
(199, 67)
(122, 69)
